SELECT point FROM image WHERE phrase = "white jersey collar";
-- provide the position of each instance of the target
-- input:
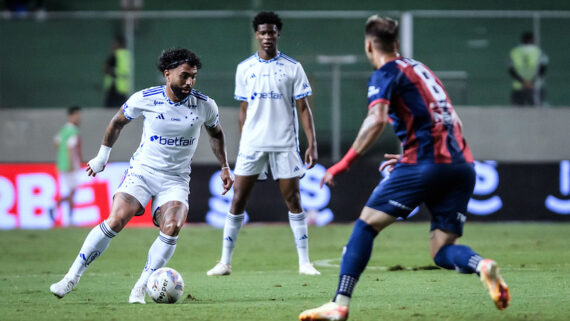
(270, 60)
(180, 103)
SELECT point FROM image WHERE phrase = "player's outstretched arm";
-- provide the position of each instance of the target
(311, 154)
(112, 132)
(218, 145)
(371, 128)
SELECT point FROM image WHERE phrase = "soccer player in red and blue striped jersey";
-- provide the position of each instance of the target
(435, 168)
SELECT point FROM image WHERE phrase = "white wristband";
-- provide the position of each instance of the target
(98, 163)
(104, 153)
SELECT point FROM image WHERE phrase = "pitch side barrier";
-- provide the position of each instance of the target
(504, 192)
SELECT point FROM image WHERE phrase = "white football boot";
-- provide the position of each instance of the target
(220, 269)
(308, 269)
(329, 311)
(138, 294)
(64, 286)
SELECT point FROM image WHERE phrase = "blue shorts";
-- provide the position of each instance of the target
(444, 188)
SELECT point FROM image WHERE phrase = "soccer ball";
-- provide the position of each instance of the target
(165, 285)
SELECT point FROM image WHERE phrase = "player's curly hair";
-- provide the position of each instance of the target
(267, 17)
(384, 31)
(174, 57)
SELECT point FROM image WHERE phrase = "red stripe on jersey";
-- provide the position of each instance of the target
(462, 143)
(378, 101)
(439, 134)
(441, 154)
(410, 155)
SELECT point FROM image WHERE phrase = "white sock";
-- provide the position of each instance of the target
(231, 229)
(342, 300)
(159, 254)
(298, 224)
(94, 245)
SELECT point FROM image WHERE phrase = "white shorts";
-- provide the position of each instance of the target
(144, 183)
(70, 179)
(284, 165)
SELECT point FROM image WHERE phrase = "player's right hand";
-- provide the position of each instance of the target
(327, 179)
(95, 166)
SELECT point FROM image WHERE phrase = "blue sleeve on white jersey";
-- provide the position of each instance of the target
(380, 87)
(301, 86)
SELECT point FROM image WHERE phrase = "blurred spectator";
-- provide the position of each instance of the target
(68, 145)
(19, 9)
(528, 67)
(117, 74)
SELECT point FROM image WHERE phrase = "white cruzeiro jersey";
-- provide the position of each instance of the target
(170, 130)
(270, 87)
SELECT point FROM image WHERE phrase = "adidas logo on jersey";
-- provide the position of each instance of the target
(161, 116)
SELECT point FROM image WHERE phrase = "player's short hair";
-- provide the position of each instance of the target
(73, 109)
(267, 17)
(174, 57)
(383, 31)
(527, 37)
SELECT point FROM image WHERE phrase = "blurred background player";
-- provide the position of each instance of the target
(436, 168)
(272, 88)
(159, 169)
(117, 73)
(528, 68)
(68, 145)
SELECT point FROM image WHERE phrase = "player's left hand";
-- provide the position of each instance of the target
(227, 179)
(327, 179)
(392, 159)
(311, 157)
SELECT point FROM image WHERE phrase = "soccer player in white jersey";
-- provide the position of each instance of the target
(272, 89)
(159, 169)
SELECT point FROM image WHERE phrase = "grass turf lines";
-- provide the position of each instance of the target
(400, 283)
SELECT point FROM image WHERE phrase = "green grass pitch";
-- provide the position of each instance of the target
(534, 260)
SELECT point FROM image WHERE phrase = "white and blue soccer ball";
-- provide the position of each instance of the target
(165, 285)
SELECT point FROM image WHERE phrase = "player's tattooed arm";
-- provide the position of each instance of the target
(371, 128)
(114, 128)
(311, 154)
(218, 145)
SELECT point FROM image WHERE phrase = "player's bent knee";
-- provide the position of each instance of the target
(171, 227)
(173, 218)
(116, 223)
(377, 219)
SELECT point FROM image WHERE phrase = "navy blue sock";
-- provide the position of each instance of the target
(356, 255)
(459, 257)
